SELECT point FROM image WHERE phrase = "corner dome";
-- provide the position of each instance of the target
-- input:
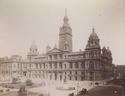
(93, 35)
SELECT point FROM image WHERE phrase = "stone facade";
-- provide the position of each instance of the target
(62, 63)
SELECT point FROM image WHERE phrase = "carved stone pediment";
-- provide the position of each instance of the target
(55, 50)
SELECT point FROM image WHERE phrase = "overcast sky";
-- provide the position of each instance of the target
(23, 21)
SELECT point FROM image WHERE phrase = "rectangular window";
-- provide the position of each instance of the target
(50, 65)
(82, 78)
(70, 64)
(60, 56)
(70, 78)
(76, 72)
(60, 64)
(76, 78)
(70, 72)
(55, 65)
(50, 57)
(76, 65)
(43, 65)
(36, 66)
(40, 66)
(82, 73)
(83, 65)
(55, 56)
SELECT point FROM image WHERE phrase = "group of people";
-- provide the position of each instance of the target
(80, 93)
(83, 91)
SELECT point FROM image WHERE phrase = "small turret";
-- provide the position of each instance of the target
(104, 51)
(48, 48)
(33, 51)
(109, 53)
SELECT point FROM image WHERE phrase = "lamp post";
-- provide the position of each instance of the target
(77, 86)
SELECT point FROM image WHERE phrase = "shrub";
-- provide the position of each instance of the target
(1, 90)
(41, 95)
(8, 90)
(29, 82)
(14, 80)
(96, 83)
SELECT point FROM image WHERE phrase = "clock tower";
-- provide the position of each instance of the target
(65, 35)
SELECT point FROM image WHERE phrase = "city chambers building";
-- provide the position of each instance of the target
(61, 63)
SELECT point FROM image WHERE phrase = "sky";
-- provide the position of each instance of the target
(25, 21)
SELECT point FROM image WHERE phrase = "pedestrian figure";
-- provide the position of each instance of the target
(71, 94)
(85, 91)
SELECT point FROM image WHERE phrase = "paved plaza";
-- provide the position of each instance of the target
(64, 88)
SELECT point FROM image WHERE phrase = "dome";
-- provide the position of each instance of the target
(93, 35)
